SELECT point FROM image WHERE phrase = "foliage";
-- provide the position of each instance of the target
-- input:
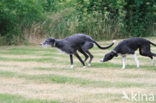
(134, 17)
(15, 15)
(139, 16)
(59, 18)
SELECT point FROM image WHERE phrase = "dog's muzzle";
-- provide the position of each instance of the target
(43, 45)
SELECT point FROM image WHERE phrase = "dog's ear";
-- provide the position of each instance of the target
(51, 40)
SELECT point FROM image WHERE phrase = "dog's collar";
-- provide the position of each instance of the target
(54, 44)
(114, 51)
(116, 54)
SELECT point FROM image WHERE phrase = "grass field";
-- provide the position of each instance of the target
(31, 74)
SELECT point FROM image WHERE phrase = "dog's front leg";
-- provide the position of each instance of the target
(71, 61)
(76, 54)
(136, 60)
(124, 62)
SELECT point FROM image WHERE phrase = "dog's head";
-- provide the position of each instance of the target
(48, 42)
(109, 56)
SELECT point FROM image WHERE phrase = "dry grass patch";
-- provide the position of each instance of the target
(54, 80)
(22, 56)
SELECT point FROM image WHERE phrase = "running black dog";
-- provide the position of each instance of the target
(129, 46)
(74, 43)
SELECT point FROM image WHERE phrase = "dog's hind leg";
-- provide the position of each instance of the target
(152, 54)
(145, 51)
(85, 48)
(71, 60)
(86, 56)
(77, 55)
(91, 57)
(136, 60)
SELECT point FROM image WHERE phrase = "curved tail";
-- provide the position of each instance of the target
(153, 44)
(106, 46)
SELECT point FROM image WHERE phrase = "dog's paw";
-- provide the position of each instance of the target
(72, 66)
(153, 63)
(84, 67)
(101, 60)
(114, 41)
(138, 66)
(89, 64)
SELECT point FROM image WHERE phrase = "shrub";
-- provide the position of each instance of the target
(15, 16)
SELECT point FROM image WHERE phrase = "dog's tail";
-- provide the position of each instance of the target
(106, 46)
(153, 44)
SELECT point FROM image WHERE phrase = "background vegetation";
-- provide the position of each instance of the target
(22, 20)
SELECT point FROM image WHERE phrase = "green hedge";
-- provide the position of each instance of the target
(102, 19)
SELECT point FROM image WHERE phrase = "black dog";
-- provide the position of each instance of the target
(129, 46)
(74, 43)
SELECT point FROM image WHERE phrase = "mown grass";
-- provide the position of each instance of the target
(7, 74)
(24, 51)
(27, 60)
(85, 82)
(116, 97)
(8, 98)
(53, 60)
(55, 78)
(57, 71)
